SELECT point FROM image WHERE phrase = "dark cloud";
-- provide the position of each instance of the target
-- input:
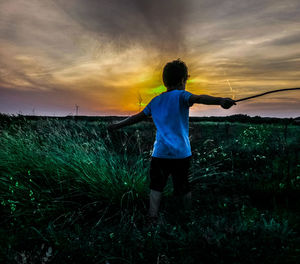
(276, 68)
(293, 39)
(153, 23)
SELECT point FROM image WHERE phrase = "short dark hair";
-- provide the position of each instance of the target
(174, 72)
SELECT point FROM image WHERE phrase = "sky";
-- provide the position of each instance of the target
(107, 56)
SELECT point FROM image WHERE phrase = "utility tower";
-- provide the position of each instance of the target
(140, 100)
(77, 107)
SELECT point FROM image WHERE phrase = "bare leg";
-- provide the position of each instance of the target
(187, 201)
(155, 198)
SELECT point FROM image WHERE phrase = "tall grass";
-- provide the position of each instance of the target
(71, 193)
(52, 167)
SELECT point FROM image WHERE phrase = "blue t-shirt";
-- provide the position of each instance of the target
(170, 114)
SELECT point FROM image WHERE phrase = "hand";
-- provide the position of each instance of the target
(226, 103)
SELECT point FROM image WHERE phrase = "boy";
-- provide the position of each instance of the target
(172, 150)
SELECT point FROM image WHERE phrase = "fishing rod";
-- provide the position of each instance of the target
(274, 91)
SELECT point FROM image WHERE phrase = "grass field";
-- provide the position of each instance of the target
(73, 193)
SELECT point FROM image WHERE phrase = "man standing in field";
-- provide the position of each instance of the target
(172, 151)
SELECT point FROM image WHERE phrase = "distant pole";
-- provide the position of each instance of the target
(140, 100)
(77, 107)
(33, 111)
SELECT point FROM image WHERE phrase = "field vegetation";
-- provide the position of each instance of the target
(71, 192)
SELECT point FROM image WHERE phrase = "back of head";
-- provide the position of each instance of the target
(174, 73)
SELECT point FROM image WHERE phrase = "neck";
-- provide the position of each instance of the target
(177, 87)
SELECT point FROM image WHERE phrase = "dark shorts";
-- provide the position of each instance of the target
(160, 169)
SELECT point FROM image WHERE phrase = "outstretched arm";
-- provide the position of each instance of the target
(211, 100)
(128, 121)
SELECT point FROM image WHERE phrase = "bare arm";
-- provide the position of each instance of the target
(128, 121)
(211, 100)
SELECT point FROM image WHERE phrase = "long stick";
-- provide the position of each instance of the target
(274, 91)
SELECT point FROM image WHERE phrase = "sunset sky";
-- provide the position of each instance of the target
(107, 55)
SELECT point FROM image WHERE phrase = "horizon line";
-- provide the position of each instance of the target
(63, 116)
